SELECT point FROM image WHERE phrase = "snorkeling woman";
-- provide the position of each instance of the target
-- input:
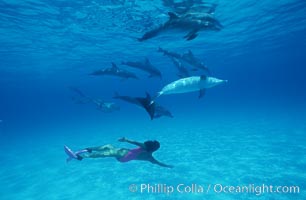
(143, 152)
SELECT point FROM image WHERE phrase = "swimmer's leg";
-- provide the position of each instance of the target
(107, 152)
(100, 148)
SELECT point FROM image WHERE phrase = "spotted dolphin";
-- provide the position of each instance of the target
(106, 107)
(155, 111)
(190, 22)
(114, 71)
(190, 84)
(182, 71)
(144, 66)
(187, 58)
(103, 106)
(195, 62)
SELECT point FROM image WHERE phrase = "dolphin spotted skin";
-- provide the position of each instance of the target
(190, 22)
(144, 66)
(190, 84)
(156, 111)
(114, 71)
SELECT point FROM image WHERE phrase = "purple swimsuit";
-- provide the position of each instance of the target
(131, 155)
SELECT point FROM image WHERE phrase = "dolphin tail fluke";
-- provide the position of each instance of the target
(148, 106)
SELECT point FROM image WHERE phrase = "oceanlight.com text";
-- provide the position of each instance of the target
(213, 188)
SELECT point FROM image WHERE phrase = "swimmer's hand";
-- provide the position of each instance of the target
(123, 139)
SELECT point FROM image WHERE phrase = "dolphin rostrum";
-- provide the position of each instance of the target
(190, 22)
(114, 71)
(145, 66)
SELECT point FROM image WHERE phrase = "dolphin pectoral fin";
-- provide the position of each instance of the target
(202, 93)
(191, 35)
(114, 66)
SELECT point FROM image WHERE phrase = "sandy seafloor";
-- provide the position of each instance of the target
(233, 150)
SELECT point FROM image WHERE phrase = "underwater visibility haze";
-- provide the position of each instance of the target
(193, 99)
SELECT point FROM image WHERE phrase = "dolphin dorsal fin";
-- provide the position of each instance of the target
(114, 66)
(148, 96)
(203, 77)
(147, 61)
(172, 15)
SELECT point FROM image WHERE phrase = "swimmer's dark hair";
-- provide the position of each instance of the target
(151, 146)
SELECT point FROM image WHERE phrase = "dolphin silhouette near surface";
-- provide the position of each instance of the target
(191, 23)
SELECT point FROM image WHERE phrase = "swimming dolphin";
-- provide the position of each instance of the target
(159, 111)
(169, 53)
(190, 22)
(192, 60)
(144, 66)
(183, 72)
(145, 103)
(114, 71)
(190, 84)
(82, 98)
(103, 106)
(106, 107)
(188, 58)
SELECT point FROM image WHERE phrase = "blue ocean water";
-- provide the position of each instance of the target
(247, 132)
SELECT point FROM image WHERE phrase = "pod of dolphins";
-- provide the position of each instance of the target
(188, 18)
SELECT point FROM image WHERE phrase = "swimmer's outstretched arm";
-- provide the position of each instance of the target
(140, 144)
(154, 161)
